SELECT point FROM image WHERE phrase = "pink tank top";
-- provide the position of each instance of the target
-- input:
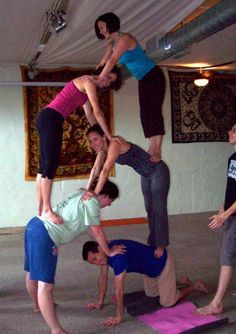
(68, 100)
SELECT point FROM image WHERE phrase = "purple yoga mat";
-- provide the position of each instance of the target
(174, 320)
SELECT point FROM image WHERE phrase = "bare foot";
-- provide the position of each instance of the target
(184, 280)
(52, 216)
(159, 251)
(200, 286)
(59, 331)
(209, 310)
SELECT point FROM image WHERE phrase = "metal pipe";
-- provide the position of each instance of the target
(213, 20)
(32, 84)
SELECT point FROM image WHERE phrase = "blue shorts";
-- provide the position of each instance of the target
(40, 252)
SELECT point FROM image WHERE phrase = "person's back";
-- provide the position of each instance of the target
(77, 215)
(138, 258)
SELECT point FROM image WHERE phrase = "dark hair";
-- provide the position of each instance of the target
(115, 85)
(112, 21)
(95, 128)
(89, 246)
(110, 189)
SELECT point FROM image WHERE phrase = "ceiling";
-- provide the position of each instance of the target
(21, 26)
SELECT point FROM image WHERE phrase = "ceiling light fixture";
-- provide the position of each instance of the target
(201, 81)
(33, 71)
(57, 21)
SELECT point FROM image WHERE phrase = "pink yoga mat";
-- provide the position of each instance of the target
(174, 320)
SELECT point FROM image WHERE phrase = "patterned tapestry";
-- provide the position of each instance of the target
(202, 114)
(76, 158)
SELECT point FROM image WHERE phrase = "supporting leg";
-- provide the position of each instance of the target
(39, 194)
(46, 189)
(32, 289)
(154, 148)
(47, 307)
(216, 305)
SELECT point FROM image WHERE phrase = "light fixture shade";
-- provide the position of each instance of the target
(201, 82)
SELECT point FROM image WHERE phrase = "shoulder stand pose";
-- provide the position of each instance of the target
(78, 92)
(159, 275)
(225, 218)
(43, 237)
(123, 48)
(154, 181)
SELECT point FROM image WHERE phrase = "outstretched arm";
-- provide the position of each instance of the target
(122, 46)
(119, 292)
(106, 56)
(91, 92)
(95, 171)
(89, 113)
(219, 219)
(96, 233)
(112, 155)
(102, 289)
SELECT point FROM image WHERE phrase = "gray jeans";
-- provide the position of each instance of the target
(155, 191)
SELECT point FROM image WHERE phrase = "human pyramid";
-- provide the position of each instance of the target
(80, 211)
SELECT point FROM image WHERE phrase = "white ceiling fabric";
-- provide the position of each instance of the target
(21, 28)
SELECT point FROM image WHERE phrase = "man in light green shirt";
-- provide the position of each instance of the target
(43, 236)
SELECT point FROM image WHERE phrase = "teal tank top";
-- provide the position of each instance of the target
(137, 62)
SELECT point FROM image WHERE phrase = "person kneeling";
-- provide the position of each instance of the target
(159, 274)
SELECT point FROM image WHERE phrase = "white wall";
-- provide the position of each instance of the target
(197, 170)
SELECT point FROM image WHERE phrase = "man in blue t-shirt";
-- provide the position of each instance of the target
(159, 274)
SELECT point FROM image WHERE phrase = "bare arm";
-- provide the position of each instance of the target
(90, 89)
(119, 292)
(99, 162)
(122, 46)
(112, 155)
(96, 232)
(89, 113)
(219, 219)
(102, 289)
(106, 56)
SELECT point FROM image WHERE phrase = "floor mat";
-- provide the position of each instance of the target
(180, 319)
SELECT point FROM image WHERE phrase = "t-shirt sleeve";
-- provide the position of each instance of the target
(91, 212)
(118, 264)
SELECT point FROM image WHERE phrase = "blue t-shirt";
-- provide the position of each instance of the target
(139, 258)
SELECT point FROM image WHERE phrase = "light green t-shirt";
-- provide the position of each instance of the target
(77, 215)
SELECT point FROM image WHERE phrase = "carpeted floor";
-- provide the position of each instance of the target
(197, 254)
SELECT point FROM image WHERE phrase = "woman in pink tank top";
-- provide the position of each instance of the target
(78, 92)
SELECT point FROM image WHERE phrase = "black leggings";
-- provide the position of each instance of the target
(49, 125)
(151, 90)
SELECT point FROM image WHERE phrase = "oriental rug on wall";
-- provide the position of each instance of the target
(202, 114)
(76, 158)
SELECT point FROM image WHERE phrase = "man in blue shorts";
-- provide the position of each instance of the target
(159, 274)
(43, 237)
(226, 218)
